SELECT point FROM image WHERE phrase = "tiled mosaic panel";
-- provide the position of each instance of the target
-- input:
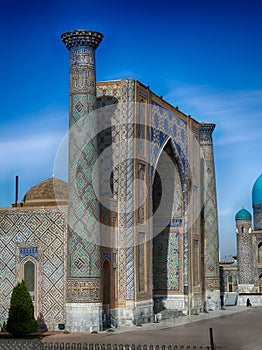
(211, 223)
(28, 251)
(44, 229)
(83, 207)
(126, 181)
(167, 251)
(167, 125)
(107, 94)
(210, 205)
(164, 125)
(167, 244)
(122, 136)
(257, 216)
(257, 258)
(141, 261)
(245, 258)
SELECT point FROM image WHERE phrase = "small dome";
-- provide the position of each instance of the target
(243, 214)
(50, 192)
(257, 191)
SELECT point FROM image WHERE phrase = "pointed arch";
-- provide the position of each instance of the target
(177, 157)
(106, 281)
(168, 226)
(29, 273)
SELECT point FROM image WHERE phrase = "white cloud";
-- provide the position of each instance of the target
(29, 144)
(236, 113)
(226, 212)
(28, 152)
(123, 75)
(238, 144)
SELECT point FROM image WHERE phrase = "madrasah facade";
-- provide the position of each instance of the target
(134, 231)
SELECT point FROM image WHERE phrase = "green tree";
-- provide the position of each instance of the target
(21, 319)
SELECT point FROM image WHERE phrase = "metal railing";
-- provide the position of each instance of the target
(27, 345)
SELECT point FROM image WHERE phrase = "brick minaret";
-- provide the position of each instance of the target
(209, 218)
(83, 308)
(245, 251)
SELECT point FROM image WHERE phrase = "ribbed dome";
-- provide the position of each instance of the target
(50, 192)
(257, 191)
(243, 214)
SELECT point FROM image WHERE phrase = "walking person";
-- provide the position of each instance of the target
(248, 303)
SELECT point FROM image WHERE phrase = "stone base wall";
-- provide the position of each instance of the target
(196, 305)
(212, 299)
(247, 288)
(83, 317)
(135, 312)
(171, 305)
(143, 311)
(255, 299)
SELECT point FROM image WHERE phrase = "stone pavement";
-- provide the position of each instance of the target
(185, 330)
(234, 328)
(183, 320)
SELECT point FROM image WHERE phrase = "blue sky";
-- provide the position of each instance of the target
(204, 57)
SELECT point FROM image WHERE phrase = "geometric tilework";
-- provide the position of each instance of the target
(167, 268)
(257, 214)
(167, 125)
(41, 234)
(210, 203)
(28, 251)
(126, 181)
(123, 175)
(83, 207)
(245, 253)
(167, 245)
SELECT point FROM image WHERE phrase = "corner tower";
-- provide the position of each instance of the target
(83, 299)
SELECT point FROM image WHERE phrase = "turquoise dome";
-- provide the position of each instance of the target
(243, 214)
(257, 191)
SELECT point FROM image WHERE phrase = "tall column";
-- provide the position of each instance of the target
(209, 217)
(83, 308)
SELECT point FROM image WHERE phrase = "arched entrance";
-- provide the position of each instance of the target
(28, 273)
(106, 294)
(168, 232)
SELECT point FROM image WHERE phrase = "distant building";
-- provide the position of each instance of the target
(242, 279)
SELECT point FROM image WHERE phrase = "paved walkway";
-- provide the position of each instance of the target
(183, 320)
(234, 328)
(186, 330)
